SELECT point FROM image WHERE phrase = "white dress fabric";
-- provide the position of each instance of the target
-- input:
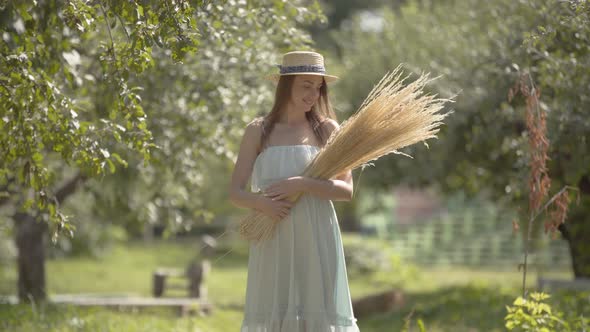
(297, 280)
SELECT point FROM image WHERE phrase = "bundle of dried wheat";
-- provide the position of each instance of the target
(392, 116)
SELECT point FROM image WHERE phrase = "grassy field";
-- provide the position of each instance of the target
(445, 299)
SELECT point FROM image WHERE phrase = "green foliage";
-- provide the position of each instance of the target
(559, 53)
(480, 48)
(408, 324)
(430, 39)
(75, 319)
(376, 259)
(533, 314)
(199, 111)
(52, 52)
(375, 207)
(93, 86)
(7, 248)
(457, 299)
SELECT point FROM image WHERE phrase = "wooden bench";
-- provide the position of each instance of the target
(183, 306)
(191, 279)
(578, 284)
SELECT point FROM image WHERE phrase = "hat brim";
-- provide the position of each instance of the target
(328, 78)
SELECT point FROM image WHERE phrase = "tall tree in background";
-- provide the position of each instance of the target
(88, 86)
(339, 13)
(481, 48)
(199, 109)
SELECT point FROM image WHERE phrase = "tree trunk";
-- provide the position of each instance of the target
(30, 241)
(576, 231)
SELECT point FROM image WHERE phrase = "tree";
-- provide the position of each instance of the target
(89, 86)
(481, 49)
(198, 107)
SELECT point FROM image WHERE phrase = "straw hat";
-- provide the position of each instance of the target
(302, 63)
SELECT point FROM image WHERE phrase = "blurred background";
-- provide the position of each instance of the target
(121, 122)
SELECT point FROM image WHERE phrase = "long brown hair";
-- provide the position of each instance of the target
(319, 112)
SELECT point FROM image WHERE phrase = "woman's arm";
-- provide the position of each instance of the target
(339, 188)
(275, 209)
(243, 168)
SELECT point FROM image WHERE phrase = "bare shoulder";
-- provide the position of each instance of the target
(249, 149)
(253, 132)
(257, 121)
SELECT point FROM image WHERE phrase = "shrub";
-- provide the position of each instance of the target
(533, 314)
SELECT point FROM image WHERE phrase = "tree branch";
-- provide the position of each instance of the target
(553, 199)
(106, 21)
(123, 25)
(69, 187)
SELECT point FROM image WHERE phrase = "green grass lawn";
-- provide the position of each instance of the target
(446, 299)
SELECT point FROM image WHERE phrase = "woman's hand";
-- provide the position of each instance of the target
(284, 188)
(274, 209)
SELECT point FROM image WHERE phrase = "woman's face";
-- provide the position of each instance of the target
(306, 91)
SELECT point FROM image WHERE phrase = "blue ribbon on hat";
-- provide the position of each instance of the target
(302, 69)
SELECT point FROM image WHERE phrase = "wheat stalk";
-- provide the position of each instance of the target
(392, 117)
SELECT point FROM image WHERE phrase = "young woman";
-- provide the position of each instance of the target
(297, 280)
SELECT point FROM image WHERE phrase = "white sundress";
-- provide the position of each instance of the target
(297, 280)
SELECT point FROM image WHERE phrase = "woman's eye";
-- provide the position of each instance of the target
(309, 87)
